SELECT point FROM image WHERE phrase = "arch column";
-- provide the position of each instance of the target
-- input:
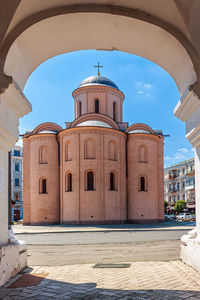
(188, 110)
(13, 105)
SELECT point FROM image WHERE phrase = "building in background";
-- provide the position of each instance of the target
(17, 182)
(180, 183)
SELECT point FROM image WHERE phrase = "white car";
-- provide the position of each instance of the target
(184, 217)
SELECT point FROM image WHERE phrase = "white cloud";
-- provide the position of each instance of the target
(178, 155)
(183, 150)
(144, 88)
(148, 85)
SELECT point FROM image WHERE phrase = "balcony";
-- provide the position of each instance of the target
(189, 187)
(190, 174)
(174, 190)
(172, 177)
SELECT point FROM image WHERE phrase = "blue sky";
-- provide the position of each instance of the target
(150, 94)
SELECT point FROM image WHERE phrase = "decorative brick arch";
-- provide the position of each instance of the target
(95, 117)
(47, 126)
(140, 126)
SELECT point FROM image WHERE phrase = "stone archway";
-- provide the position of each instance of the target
(100, 27)
(55, 30)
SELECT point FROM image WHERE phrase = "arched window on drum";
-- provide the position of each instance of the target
(96, 106)
(114, 111)
(79, 108)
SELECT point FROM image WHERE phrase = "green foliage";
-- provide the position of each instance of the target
(165, 205)
(179, 206)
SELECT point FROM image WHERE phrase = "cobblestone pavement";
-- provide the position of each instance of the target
(143, 280)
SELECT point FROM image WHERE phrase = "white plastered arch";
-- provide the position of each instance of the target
(80, 31)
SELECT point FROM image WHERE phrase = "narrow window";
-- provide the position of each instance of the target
(90, 181)
(112, 181)
(43, 186)
(16, 167)
(69, 182)
(114, 111)
(96, 106)
(142, 184)
(16, 181)
(79, 108)
(16, 153)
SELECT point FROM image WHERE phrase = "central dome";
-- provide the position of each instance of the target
(98, 80)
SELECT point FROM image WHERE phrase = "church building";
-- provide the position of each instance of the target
(97, 170)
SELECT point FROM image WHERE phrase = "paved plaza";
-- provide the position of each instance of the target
(64, 257)
(74, 245)
(170, 225)
(142, 280)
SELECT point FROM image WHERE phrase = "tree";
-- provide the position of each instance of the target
(165, 205)
(179, 206)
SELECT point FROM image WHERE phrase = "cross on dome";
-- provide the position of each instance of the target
(98, 66)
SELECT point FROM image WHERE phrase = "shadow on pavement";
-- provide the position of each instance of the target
(54, 289)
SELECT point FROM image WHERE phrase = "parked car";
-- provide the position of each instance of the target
(184, 217)
(172, 216)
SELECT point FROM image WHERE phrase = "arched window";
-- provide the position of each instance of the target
(79, 109)
(43, 186)
(96, 106)
(68, 151)
(43, 155)
(112, 181)
(68, 182)
(142, 184)
(114, 110)
(90, 181)
(112, 150)
(89, 149)
(142, 154)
